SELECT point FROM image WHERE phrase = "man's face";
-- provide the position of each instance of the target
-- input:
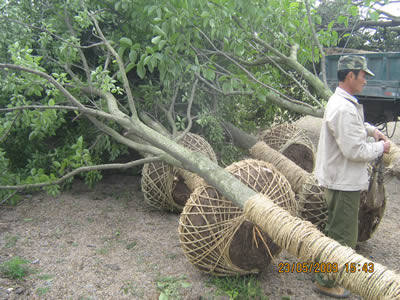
(357, 83)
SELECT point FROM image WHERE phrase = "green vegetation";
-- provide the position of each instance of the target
(233, 61)
(239, 287)
(11, 241)
(15, 268)
(41, 291)
(171, 287)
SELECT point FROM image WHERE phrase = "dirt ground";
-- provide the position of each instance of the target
(106, 243)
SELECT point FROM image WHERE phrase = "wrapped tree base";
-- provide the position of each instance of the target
(215, 235)
(292, 142)
(312, 205)
(163, 186)
(372, 203)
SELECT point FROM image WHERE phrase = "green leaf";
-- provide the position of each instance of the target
(129, 67)
(121, 51)
(163, 296)
(132, 56)
(161, 44)
(158, 30)
(146, 60)
(125, 42)
(140, 70)
(209, 74)
(155, 40)
(186, 284)
(226, 86)
(354, 11)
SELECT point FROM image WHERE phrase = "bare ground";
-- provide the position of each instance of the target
(106, 243)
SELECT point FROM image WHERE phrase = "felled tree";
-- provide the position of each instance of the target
(105, 113)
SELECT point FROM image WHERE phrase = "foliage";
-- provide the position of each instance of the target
(237, 50)
(15, 268)
(170, 287)
(239, 287)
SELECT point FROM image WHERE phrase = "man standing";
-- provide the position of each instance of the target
(342, 159)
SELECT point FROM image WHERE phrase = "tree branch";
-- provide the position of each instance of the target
(81, 54)
(125, 80)
(80, 170)
(188, 112)
(170, 111)
(313, 80)
(318, 44)
(8, 197)
(9, 129)
(52, 34)
(233, 93)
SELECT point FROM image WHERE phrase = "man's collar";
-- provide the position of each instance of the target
(346, 95)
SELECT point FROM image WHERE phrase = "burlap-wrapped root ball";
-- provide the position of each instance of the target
(372, 203)
(162, 186)
(214, 233)
(312, 205)
(292, 142)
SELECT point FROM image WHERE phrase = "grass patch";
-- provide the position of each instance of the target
(46, 277)
(130, 288)
(11, 241)
(131, 245)
(42, 291)
(171, 287)
(238, 287)
(15, 268)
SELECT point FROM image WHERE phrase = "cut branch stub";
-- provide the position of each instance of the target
(292, 142)
(215, 235)
(163, 186)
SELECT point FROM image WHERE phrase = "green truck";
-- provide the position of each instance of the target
(381, 95)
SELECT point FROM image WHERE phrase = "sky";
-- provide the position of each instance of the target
(392, 8)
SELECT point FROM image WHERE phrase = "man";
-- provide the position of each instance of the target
(342, 158)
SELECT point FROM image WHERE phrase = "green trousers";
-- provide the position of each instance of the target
(342, 224)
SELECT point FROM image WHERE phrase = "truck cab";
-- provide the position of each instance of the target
(381, 95)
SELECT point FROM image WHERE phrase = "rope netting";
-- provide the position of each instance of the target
(163, 186)
(215, 235)
(310, 196)
(306, 242)
(292, 142)
(392, 160)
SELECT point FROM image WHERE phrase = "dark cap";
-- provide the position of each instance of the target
(354, 62)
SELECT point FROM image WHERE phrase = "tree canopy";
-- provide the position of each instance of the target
(189, 64)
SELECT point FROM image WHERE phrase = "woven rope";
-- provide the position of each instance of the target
(312, 204)
(305, 241)
(294, 174)
(310, 196)
(160, 179)
(392, 160)
(210, 226)
(285, 136)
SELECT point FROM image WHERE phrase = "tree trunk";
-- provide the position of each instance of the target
(298, 237)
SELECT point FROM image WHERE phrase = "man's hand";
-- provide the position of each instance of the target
(386, 147)
(378, 136)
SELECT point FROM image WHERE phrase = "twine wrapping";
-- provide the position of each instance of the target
(310, 196)
(305, 241)
(292, 142)
(164, 186)
(294, 174)
(215, 235)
